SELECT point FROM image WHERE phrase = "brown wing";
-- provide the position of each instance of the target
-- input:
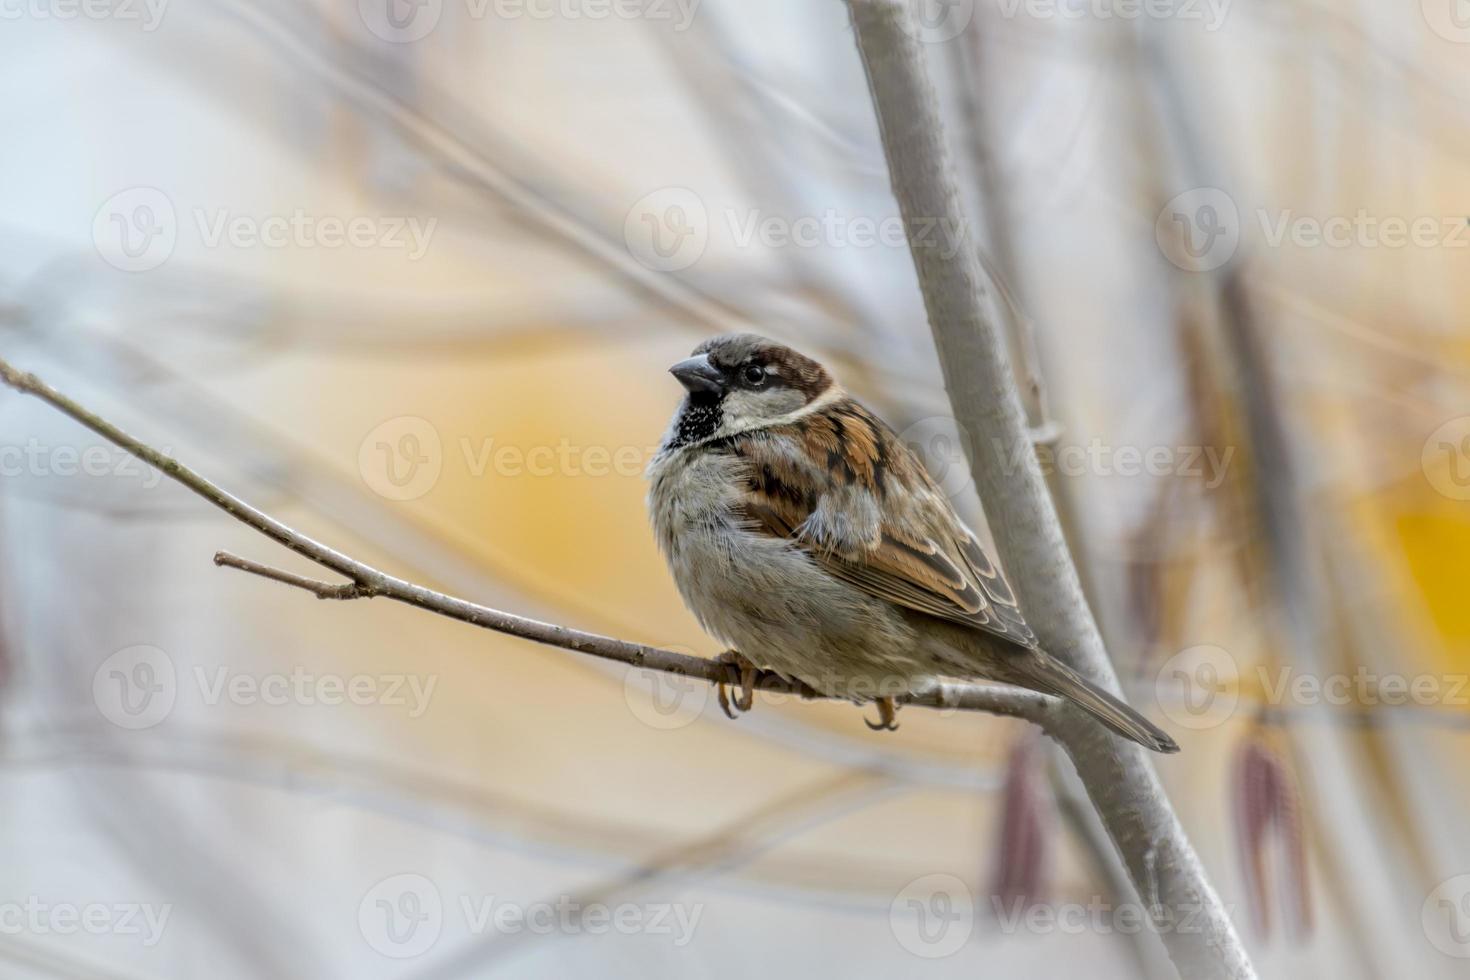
(839, 484)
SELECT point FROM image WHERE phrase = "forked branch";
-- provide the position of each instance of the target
(365, 582)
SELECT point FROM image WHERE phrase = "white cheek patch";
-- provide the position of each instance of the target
(740, 414)
(748, 409)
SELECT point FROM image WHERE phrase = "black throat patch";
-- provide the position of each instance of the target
(699, 420)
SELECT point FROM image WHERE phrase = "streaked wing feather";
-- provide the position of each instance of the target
(944, 572)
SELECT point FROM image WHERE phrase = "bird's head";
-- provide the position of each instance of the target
(739, 382)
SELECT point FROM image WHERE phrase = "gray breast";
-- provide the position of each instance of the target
(764, 596)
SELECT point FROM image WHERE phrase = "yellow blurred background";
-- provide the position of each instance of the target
(408, 276)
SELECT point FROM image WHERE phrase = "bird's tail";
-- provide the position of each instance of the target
(1047, 674)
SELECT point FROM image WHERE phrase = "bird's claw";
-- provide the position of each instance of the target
(887, 717)
(742, 676)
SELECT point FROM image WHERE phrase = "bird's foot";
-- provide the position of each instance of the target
(742, 676)
(887, 716)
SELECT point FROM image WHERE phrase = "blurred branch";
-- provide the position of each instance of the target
(365, 581)
(1121, 782)
(1000, 264)
(733, 844)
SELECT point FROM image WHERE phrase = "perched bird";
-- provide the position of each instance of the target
(804, 534)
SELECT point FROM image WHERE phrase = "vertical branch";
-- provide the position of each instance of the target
(1119, 779)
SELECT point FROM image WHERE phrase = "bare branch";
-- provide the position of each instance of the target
(365, 581)
(322, 590)
(1120, 781)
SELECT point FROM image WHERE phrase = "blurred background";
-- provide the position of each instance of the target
(408, 274)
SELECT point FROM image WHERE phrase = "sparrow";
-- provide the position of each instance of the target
(805, 535)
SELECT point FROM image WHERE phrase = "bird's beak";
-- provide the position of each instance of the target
(698, 374)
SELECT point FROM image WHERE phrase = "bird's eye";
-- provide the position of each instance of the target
(754, 374)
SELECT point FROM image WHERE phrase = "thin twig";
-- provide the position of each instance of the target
(365, 581)
(322, 590)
